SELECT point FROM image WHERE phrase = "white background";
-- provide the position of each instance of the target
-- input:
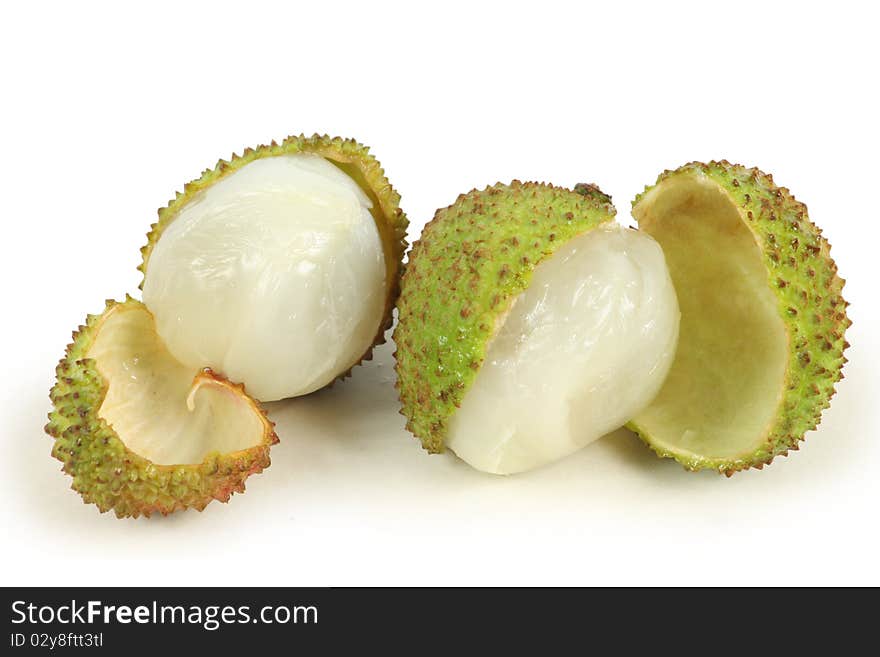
(108, 109)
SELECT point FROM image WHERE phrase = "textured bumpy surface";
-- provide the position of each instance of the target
(352, 158)
(804, 280)
(469, 264)
(106, 473)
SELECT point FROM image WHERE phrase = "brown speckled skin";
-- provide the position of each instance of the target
(106, 473)
(463, 273)
(803, 276)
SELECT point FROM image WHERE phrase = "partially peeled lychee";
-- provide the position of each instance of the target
(530, 325)
(279, 268)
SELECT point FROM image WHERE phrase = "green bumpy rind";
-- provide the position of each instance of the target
(468, 266)
(352, 158)
(106, 473)
(803, 276)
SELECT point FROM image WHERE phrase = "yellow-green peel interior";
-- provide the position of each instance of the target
(728, 376)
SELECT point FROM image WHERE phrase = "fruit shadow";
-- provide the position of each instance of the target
(43, 489)
(351, 425)
(353, 432)
(827, 454)
(352, 435)
(44, 493)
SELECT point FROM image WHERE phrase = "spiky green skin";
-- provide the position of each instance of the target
(468, 266)
(106, 473)
(357, 162)
(804, 279)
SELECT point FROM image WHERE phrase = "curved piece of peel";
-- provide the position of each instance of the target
(762, 318)
(141, 434)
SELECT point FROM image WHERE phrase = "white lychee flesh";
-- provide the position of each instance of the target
(274, 276)
(581, 351)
